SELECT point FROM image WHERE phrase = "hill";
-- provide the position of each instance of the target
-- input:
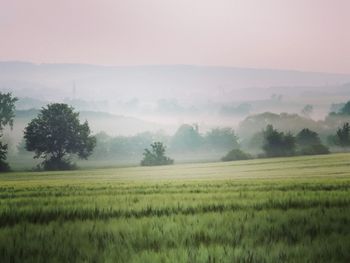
(185, 82)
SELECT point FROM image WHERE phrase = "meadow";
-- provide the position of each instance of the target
(267, 210)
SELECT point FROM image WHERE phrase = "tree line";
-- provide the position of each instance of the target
(56, 136)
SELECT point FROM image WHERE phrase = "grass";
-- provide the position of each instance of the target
(269, 210)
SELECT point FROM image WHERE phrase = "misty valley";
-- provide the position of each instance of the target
(175, 131)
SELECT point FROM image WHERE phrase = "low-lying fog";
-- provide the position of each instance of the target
(126, 101)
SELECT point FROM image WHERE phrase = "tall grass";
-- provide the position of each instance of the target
(271, 215)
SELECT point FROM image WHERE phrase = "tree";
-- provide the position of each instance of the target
(156, 156)
(56, 135)
(343, 135)
(307, 137)
(186, 138)
(340, 109)
(222, 139)
(277, 143)
(346, 109)
(4, 166)
(309, 143)
(7, 114)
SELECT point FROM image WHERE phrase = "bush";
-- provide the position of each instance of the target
(236, 155)
(4, 166)
(314, 150)
(57, 165)
(156, 156)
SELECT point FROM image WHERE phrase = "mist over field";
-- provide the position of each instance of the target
(147, 103)
(167, 96)
(201, 131)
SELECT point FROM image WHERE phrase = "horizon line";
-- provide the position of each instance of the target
(169, 65)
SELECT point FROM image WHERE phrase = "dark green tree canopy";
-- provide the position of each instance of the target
(309, 143)
(156, 156)
(236, 155)
(343, 136)
(307, 137)
(277, 143)
(57, 134)
(346, 109)
(340, 109)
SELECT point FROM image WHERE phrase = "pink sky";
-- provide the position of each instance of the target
(283, 34)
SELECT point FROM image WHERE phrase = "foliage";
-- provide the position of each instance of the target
(187, 142)
(306, 137)
(236, 155)
(284, 122)
(254, 143)
(314, 149)
(7, 109)
(277, 143)
(7, 114)
(125, 147)
(336, 108)
(4, 166)
(156, 156)
(222, 139)
(346, 109)
(186, 138)
(343, 136)
(56, 134)
(341, 109)
(309, 143)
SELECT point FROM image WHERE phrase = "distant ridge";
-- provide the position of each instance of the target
(48, 81)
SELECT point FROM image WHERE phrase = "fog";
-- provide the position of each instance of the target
(123, 102)
(171, 94)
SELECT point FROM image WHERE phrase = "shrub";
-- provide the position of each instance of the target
(57, 165)
(314, 150)
(156, 156)
(236, 155)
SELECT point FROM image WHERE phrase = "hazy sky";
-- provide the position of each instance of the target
(284, 34)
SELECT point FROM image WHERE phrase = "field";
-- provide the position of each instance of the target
(268, 210)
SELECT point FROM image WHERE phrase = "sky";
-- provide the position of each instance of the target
(310, 35)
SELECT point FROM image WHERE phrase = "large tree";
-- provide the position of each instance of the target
(7, 114)
(56, 135)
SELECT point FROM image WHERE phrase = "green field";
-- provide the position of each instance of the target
(269, 210)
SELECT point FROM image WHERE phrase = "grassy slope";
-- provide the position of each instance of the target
(273, 210)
